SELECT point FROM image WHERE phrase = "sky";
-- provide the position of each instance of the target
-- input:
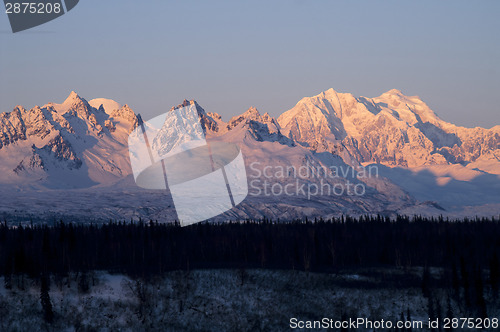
(230, 55)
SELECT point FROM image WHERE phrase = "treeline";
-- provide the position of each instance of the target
(146, 248)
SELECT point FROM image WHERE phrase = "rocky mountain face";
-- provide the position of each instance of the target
(393, 129)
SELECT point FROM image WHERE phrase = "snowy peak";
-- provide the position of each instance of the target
(208, 124)
(328, 94)
(392, 129)
(395, 92)
(251, 126)
(251, 114)
(184, 104)
(411, 108)
(73, 97)
(108, 105)
(126, 113)
(73, 103)
(316, 122)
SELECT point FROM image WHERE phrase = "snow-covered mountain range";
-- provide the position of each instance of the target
(72, 158)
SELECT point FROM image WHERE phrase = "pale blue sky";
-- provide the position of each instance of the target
(229, 55)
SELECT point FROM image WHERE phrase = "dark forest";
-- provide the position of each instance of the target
(144, 248)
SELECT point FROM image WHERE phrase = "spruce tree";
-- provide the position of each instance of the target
(48, 314)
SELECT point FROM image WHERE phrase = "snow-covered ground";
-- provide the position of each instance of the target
(220, 300)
